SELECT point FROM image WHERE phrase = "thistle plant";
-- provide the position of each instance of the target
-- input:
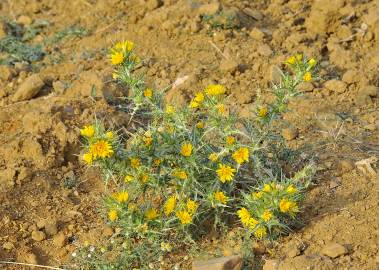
(192, 168)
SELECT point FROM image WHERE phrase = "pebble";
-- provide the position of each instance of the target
(59, 240)
(289, 133)
(228, 66)
(6, 73)
(257, 34)
(31, 258)
(350, 76)
(264, 50)
(276, 74)
(336, 86)
(51, 228)
(29, 88)
(153, 4)
(305, 87)
(8, 246)
(345, 166)
(271, 265)
(334, 250)
(209, 9)
(24, 20)
(255, 14)
(365, 95)
(38, 236)
(224, 263)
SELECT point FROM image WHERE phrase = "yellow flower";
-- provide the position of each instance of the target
(144, 177)
(200, 125)
(122, 196)
(170, 109)
(241, 155)
(263, 111)
(117, 58)
(312, 62)
(112, 215)
(288, 206)
(184, 217)
(88, 157)
(148, 93)
(157, 161)
(124, 45)
(244, 216)
(135, 162)
(109, 135)
(128, 178)
(267, 215)
(215, 90)
(230, 140)
(257, 195)
(169, 206)
(225, 173)
(132, 207)
(291, 189)
(260, 233)
(252, 223)
(221, 108)
(220, 197)
(192, 206)
(87, 131)
(151, 214)
(299, 57)
(307, 76)
(194, 104)
(291, 60)
(213, 157)
(266, 188)
(186, 149)
(101, 149)
(165, 246)
(199, 97)
(148, 141)
(180, 174)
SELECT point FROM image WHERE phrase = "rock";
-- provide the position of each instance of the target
(41, 223)
(255, 14)
(6, 73)
(209, 9)
(228, 66)
(365, 95)
(153, 4)
(264, 50)
(21, 66)
(289, 133)
(88, 84)
(345, 166)
(334, 250)
(276, 74)
(24, 20)
(271, 265)
(259, 248)
(8, 246)
(257, 34)
(59, 87)
(350, 76)
(293, 250)
(29, 88)
(305, 87)
(38, 236)
(31, 258)
(224, 263)
(7, 178)
(59, 240)
(51, 228)
(336, 85)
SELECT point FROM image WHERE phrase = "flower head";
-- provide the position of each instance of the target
(144, 177)
(225, 173)
(288, 206)
(192, 206)
(291, 189)
(291, 60)
(230, 140)
(122, 196)
(135, 162)
(109, 135)
(241, 155)
(117, 58)
(148, 93)
(267, 188)
(221, 108)
(148, 141)
(128, 178)
(112, 215)
(312, 62)
(184, 217)
(257, 195)
(102, 149)
(88, 157)
(199, 97)
(267, 215)
(307, 76)
(244, 216)
(180, 174)
(87, 131)
(151, 214)
(220, 197)
(186, 149)
(262, 112)
(213, 157)
(215, 90)
(260, 232)
(194, 104)
(169, 206)
(124, 45)
(200, 125)
(170, 109)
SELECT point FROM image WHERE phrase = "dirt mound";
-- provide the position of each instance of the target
(49, 201)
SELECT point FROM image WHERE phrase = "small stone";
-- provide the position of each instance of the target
(350, 76)
(31, 258)
(289, 133)
(345, 166)
(264, 50)
(38, 236)
(209, 9)
(153, 4)
(24, 20)
(41, 224)
(8, 246)
(29, 88)
(365, 95)
(51, 228)
(336, 86)
(21, 66)
(271, 265)
(6, 73)
(259, 248)
(228, 66)
(334, 250)
(253, 13)
(108, 231)
(59, 240)
(293, 251)
(276, 74)
(225, 263)
(305, 87)
(257, 34)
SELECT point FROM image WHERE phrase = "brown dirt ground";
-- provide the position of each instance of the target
(338, 123)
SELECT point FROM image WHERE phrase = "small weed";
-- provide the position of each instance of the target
(69, 32)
